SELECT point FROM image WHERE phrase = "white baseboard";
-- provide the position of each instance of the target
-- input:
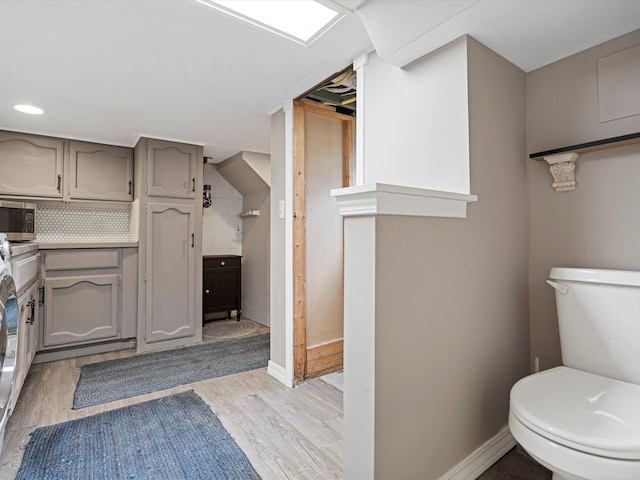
(483, 457)
(279, 373)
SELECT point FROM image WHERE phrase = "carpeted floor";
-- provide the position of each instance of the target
(226, 329)
(128, 377)
(174, 437)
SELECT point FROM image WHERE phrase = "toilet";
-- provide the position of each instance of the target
(582, 420)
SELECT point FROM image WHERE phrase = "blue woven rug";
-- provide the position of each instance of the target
(128, 377)
(175, 437)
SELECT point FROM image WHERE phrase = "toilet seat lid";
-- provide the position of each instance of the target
(580, 410)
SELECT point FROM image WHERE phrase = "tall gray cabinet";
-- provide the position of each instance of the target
(169, 205)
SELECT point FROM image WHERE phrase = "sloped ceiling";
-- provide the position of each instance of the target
(113, 70)
(528, 33)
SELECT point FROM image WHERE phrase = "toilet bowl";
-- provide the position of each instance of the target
(582, 420)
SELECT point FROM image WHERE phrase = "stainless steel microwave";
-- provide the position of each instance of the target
(18, 220)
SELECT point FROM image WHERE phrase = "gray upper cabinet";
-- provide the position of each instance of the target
(171, 169)
(100, 172)
(31, 165)
(53, 168)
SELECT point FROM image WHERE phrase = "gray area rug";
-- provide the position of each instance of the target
(174, 437)
(128, 377)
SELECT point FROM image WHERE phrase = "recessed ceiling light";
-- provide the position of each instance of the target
(29, 109)
(301, 20)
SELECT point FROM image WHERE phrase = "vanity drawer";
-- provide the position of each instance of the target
(219, 261)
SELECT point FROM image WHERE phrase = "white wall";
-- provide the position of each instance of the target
(221, 223)
(416, 121)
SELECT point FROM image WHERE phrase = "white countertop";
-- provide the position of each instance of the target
(23, 247)
(58, 246)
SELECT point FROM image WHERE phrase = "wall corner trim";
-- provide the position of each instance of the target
(483, 457)
(279, 373)
(383, 199)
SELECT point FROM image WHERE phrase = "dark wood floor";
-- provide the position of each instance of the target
(516, 465)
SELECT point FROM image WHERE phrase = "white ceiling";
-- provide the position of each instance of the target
(113, 70)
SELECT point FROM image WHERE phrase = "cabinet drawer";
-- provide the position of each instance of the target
(81, 259)
(221, 262)
(25, 271)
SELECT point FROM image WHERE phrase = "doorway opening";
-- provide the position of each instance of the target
(324, 149)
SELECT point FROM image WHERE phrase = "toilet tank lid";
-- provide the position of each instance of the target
(593, 275)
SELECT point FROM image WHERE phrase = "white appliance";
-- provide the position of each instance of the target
(8, 341)
(582, 420)
(19, 274)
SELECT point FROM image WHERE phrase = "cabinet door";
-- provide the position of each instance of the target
(33, 314)
(170, 272)
(100, 172)
(27, 337)
(79, 309)
(31, 165)
(171, 169)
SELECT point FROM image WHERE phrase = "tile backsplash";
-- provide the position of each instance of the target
(70, 224)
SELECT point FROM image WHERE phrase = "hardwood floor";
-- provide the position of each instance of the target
(286, 433)
(516, 465)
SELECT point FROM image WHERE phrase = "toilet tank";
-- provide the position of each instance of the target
(599, 320)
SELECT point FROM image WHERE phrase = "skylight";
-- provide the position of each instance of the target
(301, 20)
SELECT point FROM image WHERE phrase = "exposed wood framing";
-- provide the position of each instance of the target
(325, 358)
(299, 246)
(348, 127)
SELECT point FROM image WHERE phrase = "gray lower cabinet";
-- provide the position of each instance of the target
(89, 296)
(31, 165)
(81, 308)
(170, 297)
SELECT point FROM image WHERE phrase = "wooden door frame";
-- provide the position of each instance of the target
(300, 109)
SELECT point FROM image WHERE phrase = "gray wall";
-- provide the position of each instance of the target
(255, 260)
(451, 304)
(597, 225)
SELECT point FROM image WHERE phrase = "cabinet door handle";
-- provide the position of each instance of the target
(130, 187)
(59, 182)
(193, 239)
(206, 291)
(193, 188)
(32, 317)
